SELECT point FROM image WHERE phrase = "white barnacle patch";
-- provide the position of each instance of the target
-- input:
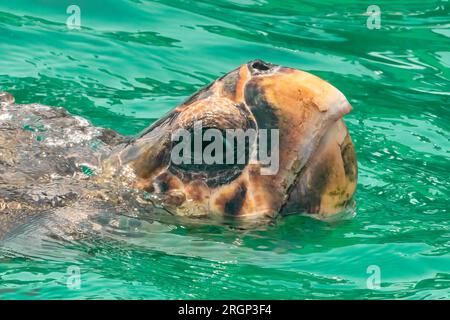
(5, 117)
(54, 142)
(128, 173)
(40, 107)
(55, 176)
(71, 137)
(81, 122)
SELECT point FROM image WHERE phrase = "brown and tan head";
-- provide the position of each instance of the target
(296, 154)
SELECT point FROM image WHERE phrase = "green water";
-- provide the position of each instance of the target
(134, 60)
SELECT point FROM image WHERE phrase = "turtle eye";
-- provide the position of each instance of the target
(213, 155)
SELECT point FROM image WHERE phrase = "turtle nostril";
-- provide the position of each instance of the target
(260, 65)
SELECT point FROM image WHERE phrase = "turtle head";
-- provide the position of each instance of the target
(260, 141)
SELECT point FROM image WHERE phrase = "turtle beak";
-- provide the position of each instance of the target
(328, 181)
(337, 105)
(325, 184)
(316, 154)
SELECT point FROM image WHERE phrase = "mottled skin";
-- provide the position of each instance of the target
(44, 154)
(47, 155)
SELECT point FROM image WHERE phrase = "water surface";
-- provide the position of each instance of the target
(134, 60)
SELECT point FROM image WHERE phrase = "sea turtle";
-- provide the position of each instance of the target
(57, 163)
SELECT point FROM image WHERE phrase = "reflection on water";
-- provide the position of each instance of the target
(134, 60)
